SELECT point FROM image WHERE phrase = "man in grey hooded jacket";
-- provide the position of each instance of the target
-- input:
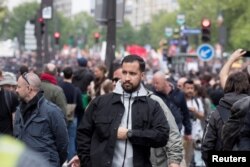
(171, 154)
(118, 129)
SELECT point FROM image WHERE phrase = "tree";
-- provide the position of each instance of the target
(3, 11)
(125, 34)
(158, 25)
(235, 13)
(143, 36)
(18, 18)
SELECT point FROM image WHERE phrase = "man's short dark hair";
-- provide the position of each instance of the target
(133, 58)
(82, 62)
(116, 64)
(189, 81)
(67, 72)
(237, 82)
(23, 69)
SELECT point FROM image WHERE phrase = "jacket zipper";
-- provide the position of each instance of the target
(126, 142)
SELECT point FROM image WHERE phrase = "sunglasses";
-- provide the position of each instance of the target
(115, 79)
(24, 75)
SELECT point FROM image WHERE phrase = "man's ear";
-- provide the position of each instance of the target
(142, 75)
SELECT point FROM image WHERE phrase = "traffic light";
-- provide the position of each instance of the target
(205, 30)
(97, 37)
(57, 38)
(42, 25)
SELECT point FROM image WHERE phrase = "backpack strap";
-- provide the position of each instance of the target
(197, 103)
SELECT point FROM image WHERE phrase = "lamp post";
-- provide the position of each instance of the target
(111, 36)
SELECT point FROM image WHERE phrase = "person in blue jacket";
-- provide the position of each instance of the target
(39, 123)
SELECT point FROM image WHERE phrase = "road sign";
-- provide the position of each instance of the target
(47, 12)
(29, 36)
(180, 19)
(205, 52)
(168, 31)
(191, 31)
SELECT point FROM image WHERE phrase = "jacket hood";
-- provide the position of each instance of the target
(141, 91)
(230, 98)
(242, 106)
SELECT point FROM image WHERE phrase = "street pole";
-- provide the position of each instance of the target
(111, 36)
(46, 13)
(39, 39)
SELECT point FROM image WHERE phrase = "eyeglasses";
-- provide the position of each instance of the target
(115, 79)
(24, 75)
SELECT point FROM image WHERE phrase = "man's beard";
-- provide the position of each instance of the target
(190, 94)
(21, 99)
(129, 88)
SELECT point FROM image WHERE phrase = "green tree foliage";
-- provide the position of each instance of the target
(17, 19)
(236, 16)
(3, 11)
(82, 27)
(158, 25)
(125, 34)
(143, 35)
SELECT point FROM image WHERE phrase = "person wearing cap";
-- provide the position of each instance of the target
(8, 81)
(8, 102)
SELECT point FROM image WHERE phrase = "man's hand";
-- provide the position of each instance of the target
(192, 109)
(122, 133)
(188, 137)
(227, 66)
(173, 165)
(236, 55)
(74, 162)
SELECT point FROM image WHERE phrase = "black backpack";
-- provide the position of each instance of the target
(231, 130)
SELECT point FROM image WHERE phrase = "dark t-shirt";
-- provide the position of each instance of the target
(73, 95)
(5, 114)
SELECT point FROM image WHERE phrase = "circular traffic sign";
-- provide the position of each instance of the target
(205, 52)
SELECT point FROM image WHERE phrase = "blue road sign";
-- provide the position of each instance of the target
(191, 31)
(205, 52)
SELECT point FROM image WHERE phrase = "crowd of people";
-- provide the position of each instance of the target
(74, 114)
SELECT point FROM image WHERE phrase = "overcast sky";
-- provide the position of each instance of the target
(77, 5)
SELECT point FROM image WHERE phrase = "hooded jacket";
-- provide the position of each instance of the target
(212, 135)
(241, 112)
(97, 134)
(172, 152)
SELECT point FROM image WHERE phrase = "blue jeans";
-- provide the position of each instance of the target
(72, 126)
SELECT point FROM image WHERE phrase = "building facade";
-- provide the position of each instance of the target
(139, 12)
(63, 6)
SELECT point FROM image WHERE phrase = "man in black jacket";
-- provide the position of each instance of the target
(118, 129)
(82, 78)
(175, 100)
